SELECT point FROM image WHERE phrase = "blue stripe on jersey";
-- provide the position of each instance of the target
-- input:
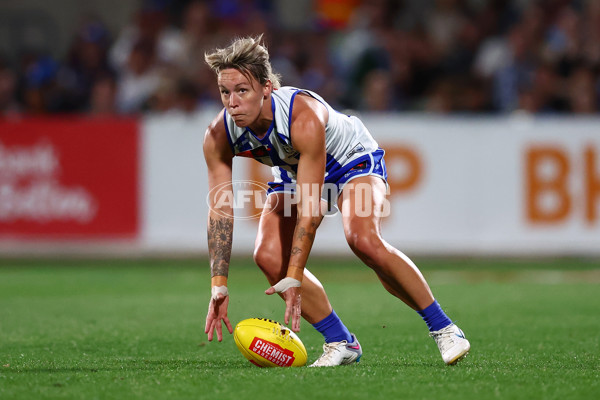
(290, 112)
(275, 158)
(285, 177)
(284, 139)
(243, 144)
(292, 106)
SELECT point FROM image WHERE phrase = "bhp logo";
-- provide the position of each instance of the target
(559, 184)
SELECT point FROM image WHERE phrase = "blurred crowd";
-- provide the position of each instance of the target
(445, 56)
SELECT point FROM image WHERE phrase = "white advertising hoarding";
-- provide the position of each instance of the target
(514, 186)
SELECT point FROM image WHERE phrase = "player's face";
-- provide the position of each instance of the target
(242, 97)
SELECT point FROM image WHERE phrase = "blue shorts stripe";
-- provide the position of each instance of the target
(369, 164)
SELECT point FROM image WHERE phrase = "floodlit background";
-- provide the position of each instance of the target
(397, 55)
(488, 111)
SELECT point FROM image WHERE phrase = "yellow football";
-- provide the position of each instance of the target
(266, 343)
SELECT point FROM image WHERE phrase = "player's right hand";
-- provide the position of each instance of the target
(289, 288)
(217, 312)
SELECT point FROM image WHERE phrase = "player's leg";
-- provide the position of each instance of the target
(362, 204)
(272, 253)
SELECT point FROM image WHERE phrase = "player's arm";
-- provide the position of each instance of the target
(218, 156)
(308, 137)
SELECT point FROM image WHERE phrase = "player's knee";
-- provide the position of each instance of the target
(268, 261)
(367, 246)
(262, 257)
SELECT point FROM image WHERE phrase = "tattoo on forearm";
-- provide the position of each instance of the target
(302, 233)
(220, 235)
(296, 250)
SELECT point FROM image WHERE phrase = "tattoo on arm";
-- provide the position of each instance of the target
(220, 235)
(302, 233)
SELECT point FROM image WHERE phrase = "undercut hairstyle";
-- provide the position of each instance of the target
(248, 56)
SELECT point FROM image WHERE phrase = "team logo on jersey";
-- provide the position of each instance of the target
(258, 152)
(288, 149)
(243, 141)
(359, 148)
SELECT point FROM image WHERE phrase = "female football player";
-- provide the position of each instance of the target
(309, 145)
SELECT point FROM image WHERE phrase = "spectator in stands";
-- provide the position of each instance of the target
(163, 98)
(103, 97)
(315, 67)
(86, 62)
(509, 66)
(562, 38)
(186, 96)
(377, 95)
(443, 24)
(151, 24)
(40, 92)
(138, 79)
(8, 90)
(440, 97)
(198, 35)
(440, 55)
(175, 93)
(364, 48)
(582, 88)
(590, 30)
(543, 95)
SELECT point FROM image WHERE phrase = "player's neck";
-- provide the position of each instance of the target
(261, 126)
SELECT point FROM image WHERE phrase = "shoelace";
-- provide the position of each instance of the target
(441, 336)
(329, 350)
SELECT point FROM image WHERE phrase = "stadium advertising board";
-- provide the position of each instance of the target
(509, 186)
(68, 179)
(514, 185)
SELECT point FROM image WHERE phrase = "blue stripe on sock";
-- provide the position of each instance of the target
(333, 329)
(435, 317)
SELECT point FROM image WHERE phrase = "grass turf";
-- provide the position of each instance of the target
(132, 329)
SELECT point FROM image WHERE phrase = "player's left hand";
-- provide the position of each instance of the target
(289, 288)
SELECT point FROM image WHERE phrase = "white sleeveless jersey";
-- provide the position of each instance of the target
(346, 138)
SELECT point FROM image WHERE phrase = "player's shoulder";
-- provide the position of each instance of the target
(292, 94)
(307, 106)
(215, 137)
(216, 127)
(285, 91)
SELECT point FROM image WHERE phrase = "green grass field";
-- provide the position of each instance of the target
(133, 329)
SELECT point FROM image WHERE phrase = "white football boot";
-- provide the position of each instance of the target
(339, 353)
(452, 343)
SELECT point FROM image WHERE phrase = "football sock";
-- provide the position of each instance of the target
(333, 329)
(435, 317)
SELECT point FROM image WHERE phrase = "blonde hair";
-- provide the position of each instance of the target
(246, 55)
